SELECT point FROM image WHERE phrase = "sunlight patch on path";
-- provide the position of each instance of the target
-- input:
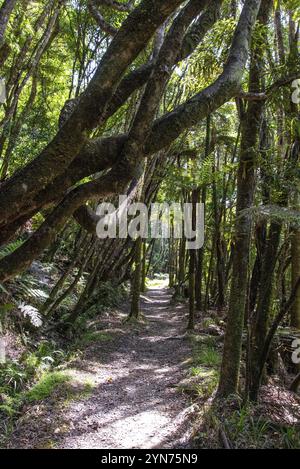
(133, 402)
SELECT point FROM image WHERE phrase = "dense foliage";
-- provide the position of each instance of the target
(166, 101)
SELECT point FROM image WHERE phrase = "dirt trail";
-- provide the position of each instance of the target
(133, 403)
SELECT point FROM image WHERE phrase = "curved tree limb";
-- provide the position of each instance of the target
(167, 129)
(132, 37)
(138, 77)
(106, 27)
(126, 7)
(101, 153)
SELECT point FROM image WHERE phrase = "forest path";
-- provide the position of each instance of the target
(133, 402)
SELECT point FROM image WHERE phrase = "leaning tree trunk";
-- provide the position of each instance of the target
(295, 384)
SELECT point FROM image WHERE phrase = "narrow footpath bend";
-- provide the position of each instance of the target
(134, 402)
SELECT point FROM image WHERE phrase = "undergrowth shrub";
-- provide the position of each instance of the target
(108, 295)
(205, 366)
(105, 298)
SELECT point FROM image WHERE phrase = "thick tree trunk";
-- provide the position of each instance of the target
(18, 195)
(250, 125)
(5, 12)
(134, 34)
(261, 323)
(295, 313)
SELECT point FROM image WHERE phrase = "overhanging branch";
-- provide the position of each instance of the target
(165, 130)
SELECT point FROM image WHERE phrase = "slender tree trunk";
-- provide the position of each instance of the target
(295, 384)
(220, 255)
(191, 323)
(78, 252)
(209, 278)
(136, 282)
(72, 286)
(200, 253)
(172, 256)
(144, 267)
(199, 278)
(192, 265)
(181, 268)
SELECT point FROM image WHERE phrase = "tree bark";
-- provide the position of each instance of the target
(295, 313)
(250, 126)
(5, 12)
(63, 149)
(136, 282)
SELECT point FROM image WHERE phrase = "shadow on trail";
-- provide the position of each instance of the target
(134, 402)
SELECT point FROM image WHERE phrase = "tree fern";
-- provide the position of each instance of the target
(10, 248)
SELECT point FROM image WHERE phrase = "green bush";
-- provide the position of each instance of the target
(13, 378)
(46, 386)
